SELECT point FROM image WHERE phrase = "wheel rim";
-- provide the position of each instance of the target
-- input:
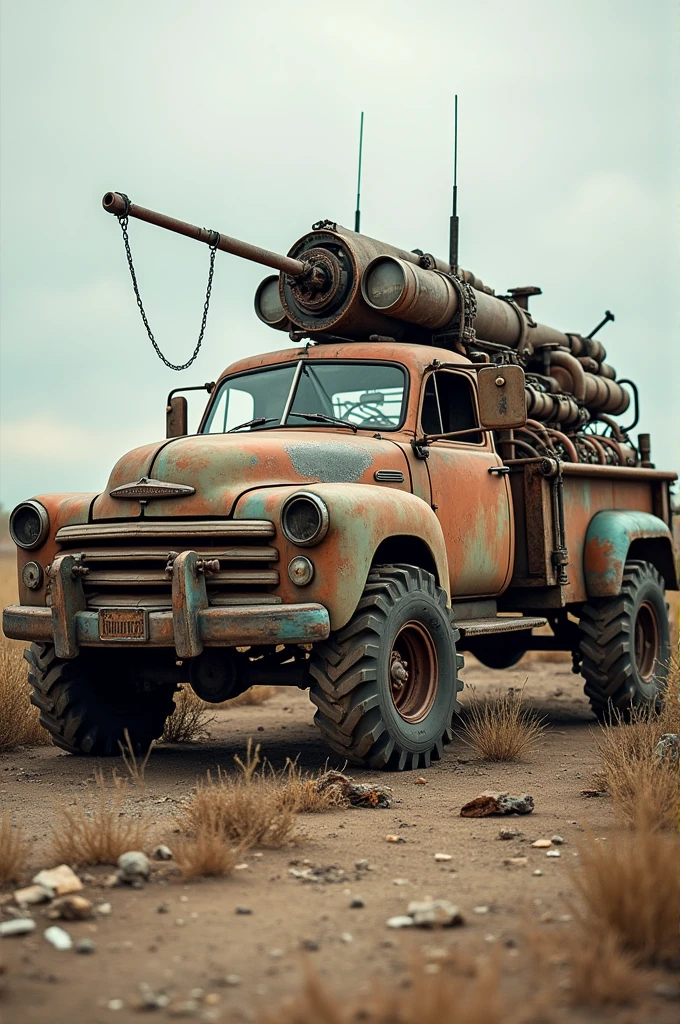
(414, 672)
(646, 641)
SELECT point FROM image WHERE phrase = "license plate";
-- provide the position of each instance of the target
(123, 624)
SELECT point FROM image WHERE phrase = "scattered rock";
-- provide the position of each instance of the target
(110, 881)
(362, 865)
(20, 926)
(133, 867)
(516, 862)
(60, 880)
(358, 794)
(85, 946)
(591, 793)
(115, 1004)
(356, 903)
(663, 991)
(557, 840)
(58, 938)
(103, 909)
(553, 853)
(434, 913)
(537, 872)
(443, 856)
(394, 839)
(70, 908)
(311, 945)
(33, 894)
(509, 833)
(232, 980)
(241, 867)
(488, 803)
(327, 875)
(542, 844)
(243, 910)
(667, 750)
(401, 921)
(163, 908)
(150, 1000)
(162, 852)
(481, 910)
(421, 781)
(346, 937)
(400, 881)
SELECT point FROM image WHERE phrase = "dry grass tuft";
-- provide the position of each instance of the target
(637, 782)
(432, 994)
(246, 809)
(630, 893)
(14, 850)
(207, 853)
(254, 695)
(19, 720)
(601, 973)
(136, 769)
(189, 721)
(97, 829)
(501, 728)
(303, 793)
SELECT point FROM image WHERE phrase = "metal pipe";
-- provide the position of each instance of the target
(114, 202)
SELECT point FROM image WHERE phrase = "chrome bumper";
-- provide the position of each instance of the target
(190, 626)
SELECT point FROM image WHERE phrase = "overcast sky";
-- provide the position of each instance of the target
(244, 118)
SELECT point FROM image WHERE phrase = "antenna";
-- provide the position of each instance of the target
(453, 228)
(357, 214)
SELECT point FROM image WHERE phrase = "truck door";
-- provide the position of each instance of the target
(472, 504)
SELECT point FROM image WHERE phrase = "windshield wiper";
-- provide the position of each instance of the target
(259, 421)
(320, 417)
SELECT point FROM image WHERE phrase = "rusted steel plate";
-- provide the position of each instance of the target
(504, 624)
(123, 624)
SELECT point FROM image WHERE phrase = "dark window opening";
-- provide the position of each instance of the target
(449, 405)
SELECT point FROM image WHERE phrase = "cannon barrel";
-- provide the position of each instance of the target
(114, 202)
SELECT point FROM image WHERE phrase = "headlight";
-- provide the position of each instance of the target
(29, 525)
(304, 519)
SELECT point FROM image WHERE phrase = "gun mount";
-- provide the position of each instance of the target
(337, 284)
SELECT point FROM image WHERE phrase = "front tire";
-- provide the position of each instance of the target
(86, 703)
(386, 685)
(625, 645)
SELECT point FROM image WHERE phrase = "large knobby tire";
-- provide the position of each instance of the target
(625, 645)
(386, 684)
(86, 705)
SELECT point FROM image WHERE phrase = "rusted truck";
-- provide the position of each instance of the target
(426, 471)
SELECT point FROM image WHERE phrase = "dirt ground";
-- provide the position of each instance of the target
(183, 937)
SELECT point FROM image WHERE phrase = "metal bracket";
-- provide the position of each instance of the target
(189, 596)
(68, 598)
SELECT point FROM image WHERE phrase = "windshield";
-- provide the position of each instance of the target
(366, 395)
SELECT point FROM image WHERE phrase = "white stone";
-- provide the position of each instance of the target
(133, 866)
(553, 853)
(58, 938)
(402, 921)
(19, 926)
(60, 880)
(33, 894)
(443, 856)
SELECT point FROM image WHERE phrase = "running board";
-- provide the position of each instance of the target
(502, 624)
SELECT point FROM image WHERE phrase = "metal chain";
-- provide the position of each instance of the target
(123, 221)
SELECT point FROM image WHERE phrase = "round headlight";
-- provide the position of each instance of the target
(304, 519)
(29, 525)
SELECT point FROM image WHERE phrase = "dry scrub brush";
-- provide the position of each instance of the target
(246, 809)
(433, 993)
(19, 720)
(189, 722)
(97, 828)
(630, 893)
(206, 851)
(14, 850)
(304, 795)
(501, 727)
(253, 695)
(639, 783)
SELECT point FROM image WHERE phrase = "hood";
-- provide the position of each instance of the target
(221, 467)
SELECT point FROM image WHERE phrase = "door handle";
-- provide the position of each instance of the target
(499, 470)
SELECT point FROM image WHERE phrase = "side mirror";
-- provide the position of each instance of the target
(502, 398)
(176, 417)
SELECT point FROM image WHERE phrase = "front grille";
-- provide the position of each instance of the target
(126, 561)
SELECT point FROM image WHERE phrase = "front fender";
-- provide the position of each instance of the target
(611, 536)
(63, 510)
(361, 517)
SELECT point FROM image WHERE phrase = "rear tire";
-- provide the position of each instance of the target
(625, 645)
(86, 704)
(386, 684)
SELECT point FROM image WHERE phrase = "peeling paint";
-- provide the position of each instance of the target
(330, 463)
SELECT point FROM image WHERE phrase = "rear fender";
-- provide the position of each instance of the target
(618, 535)
(361, 518)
